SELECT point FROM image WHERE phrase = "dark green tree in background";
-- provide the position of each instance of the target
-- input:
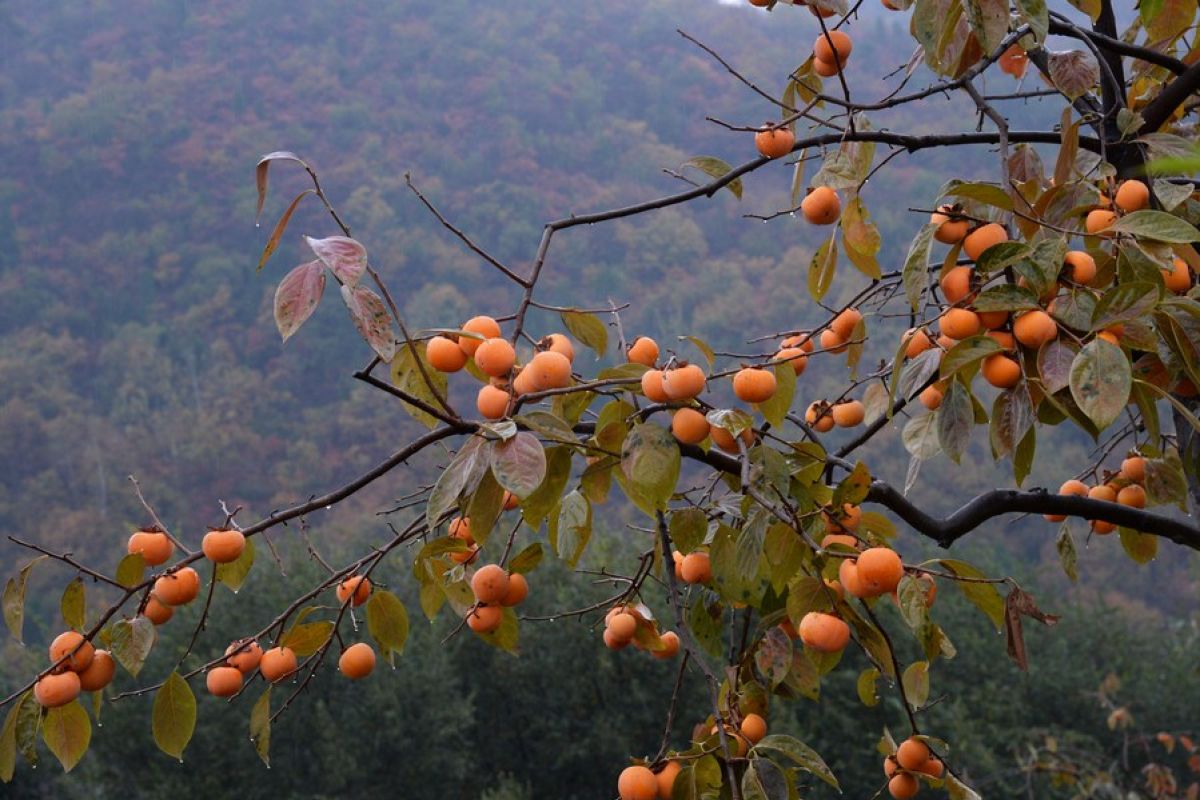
(764, 560)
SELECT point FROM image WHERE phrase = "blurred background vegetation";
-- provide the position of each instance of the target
(136, 337)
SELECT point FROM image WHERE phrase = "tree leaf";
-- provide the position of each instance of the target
(916, 683)
(130, 570)
(1100, 381)
(461, 475)
(1054, 362)
(297, 297)
(773, 656)
(1141, 547)
(387, 622)
(131, 642)
(545, 498)
(650, 461)
(715, 168)
(920, 437)
(868, 687)
(803, 755)
(588, 329)
(1157, 225)
(280, 227)
(67, 731)
(174, 716)
(260, 726)
(307, 638)
(915, 273)
(989, 21)
(14, 600)
(519, 464)
(1125, 302)
(571, 529)
(407, 377)
(345, 257)
(260, 174)
(1005, 297)
(775, 409)
(371, 319)
(1073, 73)
(687, 528)
(822, 268)
(1067, 555)
(74, 604)
(984, 595)
(527, 560)
(1012, 418)
(234, 574)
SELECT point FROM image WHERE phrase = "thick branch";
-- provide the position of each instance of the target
(1159, 110)
(1108, 43)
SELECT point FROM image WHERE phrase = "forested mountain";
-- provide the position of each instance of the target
(136, 335)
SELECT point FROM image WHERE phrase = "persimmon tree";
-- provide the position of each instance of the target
(1052, 295)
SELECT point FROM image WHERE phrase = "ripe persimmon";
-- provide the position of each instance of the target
(696, 567)
(52, 691)
(932, 767)
(1071, 487)
(637, 783)
(558, 343)
(612, 642)
(178, 588)
(485, 619)
(1134, 468)
(848, 414)
(99, 673)
(903, 786)
(652, 386)
(831, 342)
(1132, 195)
(803, 340)
(822, 206)
(1001, 371)
(244, 656)
(1098, 221)
(931, 397)
(490, 583)
(959, 323)
(826, 69)
(774, 142)
(690, 426)
(277, 664)
(916, 341)
(223, 681)
(154, 545)
(880, 570)
(754, 728)
(684, 382)
(754, 385)
(819, 416)
(956, 284)
(666, 779)
(357, 661)
(847, 520)
(1002, 338)
(794, 356)
(223, 546)
(1034, 328)
(518, 590)
(357, 585)
(1179, 278)
(522, 382)
(496, 357)
(1132, 495)
(983, 237)
(623, 626)
(824, 633)
(644, 350)
(1079, 267)
(1014, 61)
(492, 402)
(845, 322)
(549, 370)
(912, 753)
(72, 643)
(951, 228)
(724, 439)
(833, 47)
(670, 641)
(1109, 495)
(446, 355)
(830, 539)
(992, 319)
(486, 327)
(157, 611)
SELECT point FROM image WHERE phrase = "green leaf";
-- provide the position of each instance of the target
(74, 604)
(920, 437)
(1005, 297)
(916, 683)
(861, 238)
(773, 656)
(868, 689)
(485, 507)
(131, 642)
(14, 600)
(854, 487)
(308, 637)
(984, 595)
(988, 193)
(519, 464)
(130, 570)
(822, 268)
(25, 708)
(989, 21)
(775, 409)
(545, 498)
(1165, 481)
(234, 574)
(715, 168)
(803, 755)
(506, 636)
(688, 527)
(1141, 547)
(67, 731)
(548, 426)
(1037, 15)
(1100, 381)
(460, 475)
(955, 419)
(1158, 226)
(915, 273)
(174, 716)
(588, 329)
(1125, 302)
(650, 461)
(387, 622)
(1012, 419)
(571, 530)
(527, 560)
(260, 726)
(407, 378)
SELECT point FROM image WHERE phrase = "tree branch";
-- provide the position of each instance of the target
(1160, 109)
